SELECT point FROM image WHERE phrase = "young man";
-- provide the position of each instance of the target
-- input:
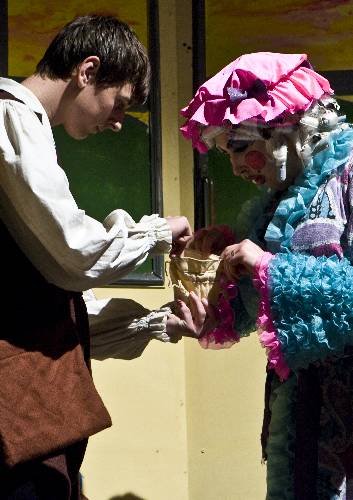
(92, 71)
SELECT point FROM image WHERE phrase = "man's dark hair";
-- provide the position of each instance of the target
(123, 58)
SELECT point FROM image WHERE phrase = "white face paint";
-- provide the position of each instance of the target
(251, 161)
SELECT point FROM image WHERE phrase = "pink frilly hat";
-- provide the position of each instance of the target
(259, 86)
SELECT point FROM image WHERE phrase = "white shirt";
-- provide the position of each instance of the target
(69, 248)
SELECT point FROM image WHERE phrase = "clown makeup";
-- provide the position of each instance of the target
(250, 160)
(238, 145)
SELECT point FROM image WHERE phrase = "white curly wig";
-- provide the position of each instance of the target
(308, 131)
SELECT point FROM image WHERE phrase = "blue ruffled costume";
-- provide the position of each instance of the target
(310, 285)
(312, 297)
(312, 306)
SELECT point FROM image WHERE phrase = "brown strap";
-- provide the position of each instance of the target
(7, 95)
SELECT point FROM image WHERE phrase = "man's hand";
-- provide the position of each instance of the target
(181, 233)
(190, 322)
(240, 259)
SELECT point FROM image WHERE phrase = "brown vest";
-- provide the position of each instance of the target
(47, 397)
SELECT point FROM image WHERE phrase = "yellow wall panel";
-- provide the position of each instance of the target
(33, 23)
(321, 28)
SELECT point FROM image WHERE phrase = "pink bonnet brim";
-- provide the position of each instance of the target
(287, 84)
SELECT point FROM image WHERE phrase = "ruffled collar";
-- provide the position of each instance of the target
(292, 208)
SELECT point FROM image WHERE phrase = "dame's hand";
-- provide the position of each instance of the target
(241, 258)
(212, 239)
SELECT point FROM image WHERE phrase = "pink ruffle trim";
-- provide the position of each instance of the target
(291, 86)
(266, 328)
(224, 335)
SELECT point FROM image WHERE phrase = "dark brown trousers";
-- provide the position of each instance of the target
(53, 478)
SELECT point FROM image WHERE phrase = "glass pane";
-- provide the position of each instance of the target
(100, 166)
(229, 192)
(108, 170)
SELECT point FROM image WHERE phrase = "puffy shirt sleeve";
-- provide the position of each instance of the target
(122, 328)
(70, 249)
(306, 311)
